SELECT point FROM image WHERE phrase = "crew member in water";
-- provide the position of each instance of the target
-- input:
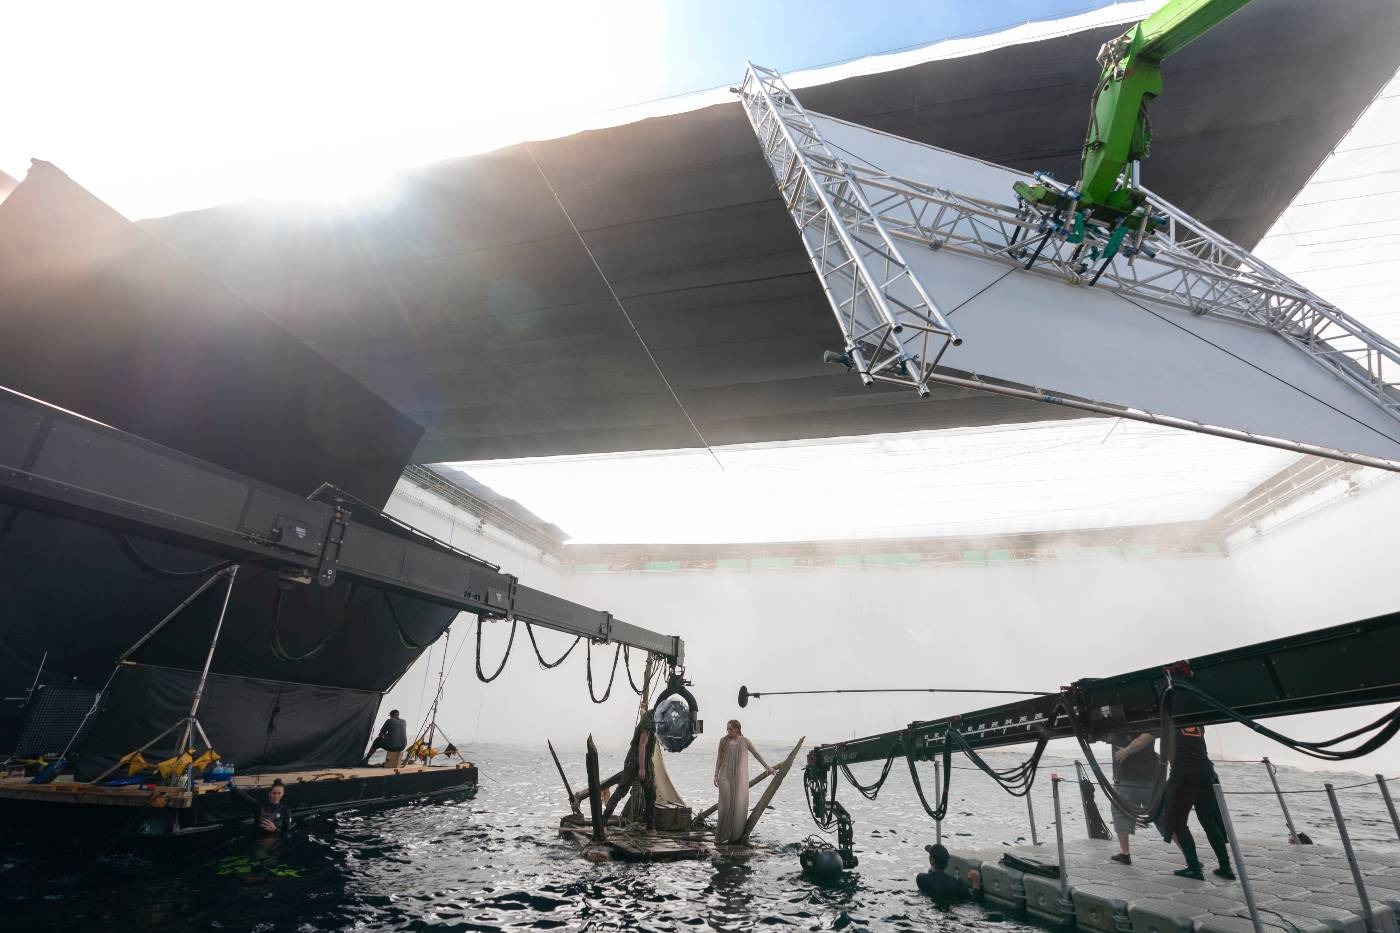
(1191, 786)
(393, 736)
(1134, 774)
(944, 887)
(636, 769)
(732, 779)
(271, 815)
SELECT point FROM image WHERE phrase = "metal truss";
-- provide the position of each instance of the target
(893, 330)
(1181, 263)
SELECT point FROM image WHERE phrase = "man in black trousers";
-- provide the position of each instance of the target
(1191, 785)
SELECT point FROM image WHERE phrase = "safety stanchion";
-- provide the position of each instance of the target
(1065, 900)
(1240, 871)
(1030, 814)
(1389, 804)
(1283, 804)
(1351, 860)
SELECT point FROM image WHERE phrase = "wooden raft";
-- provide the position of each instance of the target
(637, 844)
(73, 792)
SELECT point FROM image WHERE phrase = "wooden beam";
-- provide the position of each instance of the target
(595, 792)
(573, 803)
(770, 790)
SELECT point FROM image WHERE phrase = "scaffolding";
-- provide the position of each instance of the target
(848, 213)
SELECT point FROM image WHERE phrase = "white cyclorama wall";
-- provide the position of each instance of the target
(1018, 626)
(1338, 564)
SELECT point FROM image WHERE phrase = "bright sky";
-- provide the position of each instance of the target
(161, 107)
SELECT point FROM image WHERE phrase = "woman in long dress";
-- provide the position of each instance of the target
(732, 779)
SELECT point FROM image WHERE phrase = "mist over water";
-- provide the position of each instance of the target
(494, 862)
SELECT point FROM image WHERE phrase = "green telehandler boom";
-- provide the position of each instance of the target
(1119, 134)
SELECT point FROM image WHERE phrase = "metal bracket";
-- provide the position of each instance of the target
(330, 551)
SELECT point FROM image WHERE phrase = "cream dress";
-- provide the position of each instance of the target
(732, 776)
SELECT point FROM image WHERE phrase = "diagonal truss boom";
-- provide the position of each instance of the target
(893, 330)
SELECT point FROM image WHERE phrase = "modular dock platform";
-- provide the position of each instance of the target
(1298, 889)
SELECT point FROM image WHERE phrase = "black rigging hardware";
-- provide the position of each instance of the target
(1339, 667)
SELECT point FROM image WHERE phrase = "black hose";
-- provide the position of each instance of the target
(481, 624)
(617, 655)
(135, 557)
(546, 665)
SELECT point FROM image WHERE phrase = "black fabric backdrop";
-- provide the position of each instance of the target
(258, 725)
(69, 590)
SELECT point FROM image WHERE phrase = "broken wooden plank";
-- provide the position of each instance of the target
(595, 791)
(757, 813)
(573, 801)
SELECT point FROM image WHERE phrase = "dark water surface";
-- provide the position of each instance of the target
(493, 861)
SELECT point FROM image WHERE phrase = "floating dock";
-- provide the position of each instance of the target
(1298, 889)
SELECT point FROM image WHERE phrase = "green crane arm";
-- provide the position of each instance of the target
(1119, 133)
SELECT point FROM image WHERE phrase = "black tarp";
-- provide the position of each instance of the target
(98, 317)
(71, 591)
(255, 724)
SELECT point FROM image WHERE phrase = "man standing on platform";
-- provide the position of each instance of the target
(1134, 774)
(1192, 785)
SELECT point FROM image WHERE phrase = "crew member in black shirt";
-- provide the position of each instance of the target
(1191, 785)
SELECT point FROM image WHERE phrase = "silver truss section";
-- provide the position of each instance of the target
(1182, 264)
(893, 330)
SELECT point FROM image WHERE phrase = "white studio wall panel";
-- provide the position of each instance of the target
(1033, 330)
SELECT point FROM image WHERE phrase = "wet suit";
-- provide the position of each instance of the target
(279, 815)
(631, 766)
(393, 737)
(1191, 785)
(941, 886)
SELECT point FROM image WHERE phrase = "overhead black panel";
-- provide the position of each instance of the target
(102, 319)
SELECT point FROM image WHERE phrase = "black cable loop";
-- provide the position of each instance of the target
(481, 624)
(280, 653)
(546, 665)
(129, 549)
(1388, 726)
(942, 809)
(403, 633)
(627, 665)
(617, 655)
(871, 791)
(1141, 814)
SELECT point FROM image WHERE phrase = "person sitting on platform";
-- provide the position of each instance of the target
(1192, 785)
(1134, 774)
(271, 815)
(940, 885)
(393, 738)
